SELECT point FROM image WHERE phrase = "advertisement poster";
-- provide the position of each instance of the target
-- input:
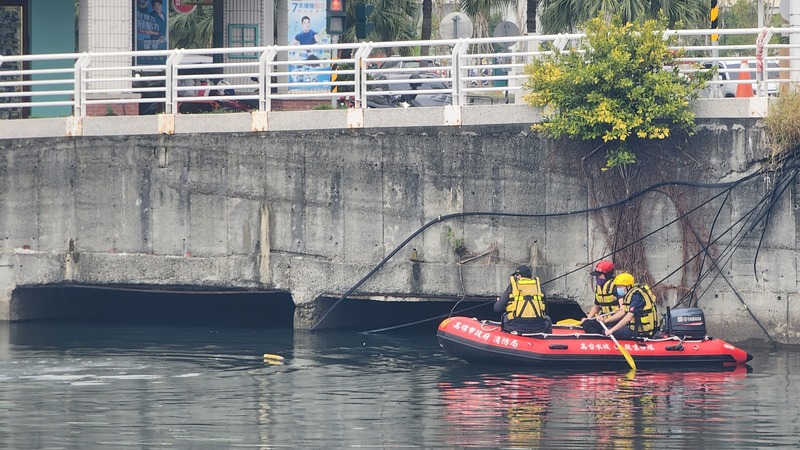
(307, 27)
(11, 43)
(151, 29)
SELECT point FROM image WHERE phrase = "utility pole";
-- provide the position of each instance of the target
(715, 91)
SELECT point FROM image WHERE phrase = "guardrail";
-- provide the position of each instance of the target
(364, 75)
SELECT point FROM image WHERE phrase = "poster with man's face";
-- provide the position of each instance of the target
(307, 27)
(151, 25)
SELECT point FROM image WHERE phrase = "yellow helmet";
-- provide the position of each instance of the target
(624, 279)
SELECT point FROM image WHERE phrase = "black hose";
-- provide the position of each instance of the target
(439, 219)
(440, 316)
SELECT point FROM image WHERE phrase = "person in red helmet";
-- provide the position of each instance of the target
(605, 302)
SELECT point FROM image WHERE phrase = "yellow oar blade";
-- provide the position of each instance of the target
(621, 349)
(625, 353)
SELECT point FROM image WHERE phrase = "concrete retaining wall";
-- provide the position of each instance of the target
(312, 212)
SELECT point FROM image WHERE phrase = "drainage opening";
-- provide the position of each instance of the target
(173, 306)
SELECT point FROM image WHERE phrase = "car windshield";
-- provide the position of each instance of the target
(772, 73)
(394, 63)
(406, 86)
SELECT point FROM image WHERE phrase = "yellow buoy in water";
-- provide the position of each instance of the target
(269, 358)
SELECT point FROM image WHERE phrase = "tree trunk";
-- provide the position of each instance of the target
(217, 40)
(531, 15)
(427, 11)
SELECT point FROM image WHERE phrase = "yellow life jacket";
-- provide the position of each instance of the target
(646, 321)
(526, 299)
(604, 297)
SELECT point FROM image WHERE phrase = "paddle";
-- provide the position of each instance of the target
(621, 349)
(571, 321)
(568, 322)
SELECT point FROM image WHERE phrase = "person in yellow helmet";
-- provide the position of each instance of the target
(523, 305)
(605, 302)
(638, 317)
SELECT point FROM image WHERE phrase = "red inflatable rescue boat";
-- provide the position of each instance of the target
(483, 341)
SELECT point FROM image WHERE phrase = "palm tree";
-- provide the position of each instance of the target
(193, 30)
(562, 16)
(480, 11)
(395, 20)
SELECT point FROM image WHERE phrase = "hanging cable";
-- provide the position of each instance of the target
(655, 231)
(441, 316)
(711, 233)
(714, 241)
(447, 217)
(776, 195)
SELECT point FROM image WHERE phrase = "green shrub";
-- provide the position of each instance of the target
(783, 124)
(621, 81)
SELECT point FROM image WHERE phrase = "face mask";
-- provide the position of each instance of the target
(600, 281)
(621, 291)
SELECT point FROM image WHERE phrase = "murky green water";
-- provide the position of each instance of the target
(136, 386)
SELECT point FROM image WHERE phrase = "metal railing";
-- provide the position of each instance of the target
(363, 75)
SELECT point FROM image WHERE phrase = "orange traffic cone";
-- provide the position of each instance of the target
(744, 88)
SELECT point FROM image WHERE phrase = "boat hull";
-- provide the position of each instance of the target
(484, 342)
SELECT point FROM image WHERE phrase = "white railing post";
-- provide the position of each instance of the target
(170, 83)
(360, 78)
(79, 108)
(265, 71)
(532, 46)
(762, 74)
(455, 59)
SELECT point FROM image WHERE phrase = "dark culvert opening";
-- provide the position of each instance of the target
(179, 306)
(156, 306)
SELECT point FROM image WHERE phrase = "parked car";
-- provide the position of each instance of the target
(398, 82)
(433, 67)
(729, 71)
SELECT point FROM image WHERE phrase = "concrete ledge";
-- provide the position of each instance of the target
(116, 125)
(324, 119)
(33, 128)
(508, 114)
(499, 114)
(730, 108)
(404, 117)
(213, 123)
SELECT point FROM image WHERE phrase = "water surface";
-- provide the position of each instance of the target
(67, 385)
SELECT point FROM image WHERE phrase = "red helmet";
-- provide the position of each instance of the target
(603, 267)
